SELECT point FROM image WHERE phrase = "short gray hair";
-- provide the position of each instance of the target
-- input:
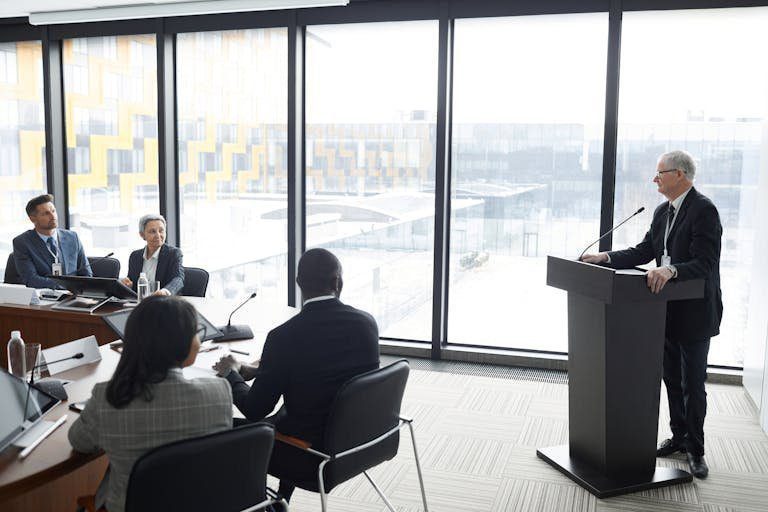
(680, 160)
(149, 218)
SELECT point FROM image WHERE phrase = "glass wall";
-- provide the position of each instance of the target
(232, 133)
(709, 96)
(526, 171)
(22, 138)
(371, 100)
(110, 100)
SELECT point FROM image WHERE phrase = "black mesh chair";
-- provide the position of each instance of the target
(195, 282)
(11, 275)
(225, 472)
(362, 431)
(104, 267)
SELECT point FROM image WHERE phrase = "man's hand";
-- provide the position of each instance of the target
(226, 364)
(127, 282)
(162, 292)
(657, 278)
(601, 257)
(248, 371)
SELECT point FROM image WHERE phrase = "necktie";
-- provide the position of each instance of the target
(52, 246)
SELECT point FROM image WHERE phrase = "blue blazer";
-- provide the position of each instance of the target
(34, 261)
(170, 271)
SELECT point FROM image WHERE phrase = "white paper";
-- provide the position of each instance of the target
(88, 346)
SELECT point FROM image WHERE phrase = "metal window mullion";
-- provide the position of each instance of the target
(167, 144)
(296, 160)
(610, 133)
(442, 184)
(55, 142)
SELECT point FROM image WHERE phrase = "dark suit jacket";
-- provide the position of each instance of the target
(170, 271)
(694, 248)
(34, 261)
(306, 360)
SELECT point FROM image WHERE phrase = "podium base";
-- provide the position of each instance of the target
(605, 486)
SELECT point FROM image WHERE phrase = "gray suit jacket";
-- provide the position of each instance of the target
(180, 409)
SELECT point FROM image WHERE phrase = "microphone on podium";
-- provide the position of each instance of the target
(236, 332)
(640, 210)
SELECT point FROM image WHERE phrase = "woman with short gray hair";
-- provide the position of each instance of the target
(158, 260)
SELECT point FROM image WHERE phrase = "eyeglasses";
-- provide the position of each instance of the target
(659, 173)
(200, 331)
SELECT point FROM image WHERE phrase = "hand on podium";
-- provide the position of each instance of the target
(601, 257)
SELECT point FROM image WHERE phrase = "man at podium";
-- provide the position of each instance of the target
(684, 240)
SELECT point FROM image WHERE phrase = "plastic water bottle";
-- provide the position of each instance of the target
(17, 359)
(142, 286)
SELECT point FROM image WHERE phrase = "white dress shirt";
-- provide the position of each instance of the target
(149, 265)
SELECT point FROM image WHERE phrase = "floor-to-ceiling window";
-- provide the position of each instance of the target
(110, 100)
(371, 100)
(683, 88)
(22, 138)
(232, 159)
(527, 159)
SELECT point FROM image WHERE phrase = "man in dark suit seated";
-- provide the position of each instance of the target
(684, 239)
(306, 360)
(46, 249)
(159, 261)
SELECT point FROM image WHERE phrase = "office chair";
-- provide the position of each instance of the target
(104, 267)
(11, 275)
(195, 282)
(225, 472)
(362, 431)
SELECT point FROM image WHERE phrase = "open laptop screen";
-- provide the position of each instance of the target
(117, 321)
(23, 406)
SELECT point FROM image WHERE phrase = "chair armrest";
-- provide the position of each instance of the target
(293, 441)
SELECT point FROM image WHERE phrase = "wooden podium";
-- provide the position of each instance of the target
(615, 352)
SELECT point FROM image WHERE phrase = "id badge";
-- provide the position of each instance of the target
(56, 269)
(666, 260)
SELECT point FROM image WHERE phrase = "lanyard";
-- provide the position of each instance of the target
(668, 228)
(58, 248)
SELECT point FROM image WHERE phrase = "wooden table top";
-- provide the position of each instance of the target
(54, 457)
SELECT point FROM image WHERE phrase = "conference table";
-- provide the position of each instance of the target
(53, 475)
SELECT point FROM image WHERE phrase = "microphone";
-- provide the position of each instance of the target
(109, 255)
(236, 332)
(640, 210)
(53, 387)
(79, 355)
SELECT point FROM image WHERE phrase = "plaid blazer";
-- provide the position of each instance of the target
(180, 409)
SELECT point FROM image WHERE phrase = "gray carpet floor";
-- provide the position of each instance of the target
(477, 438)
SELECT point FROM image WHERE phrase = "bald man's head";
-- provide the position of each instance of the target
(319, 274)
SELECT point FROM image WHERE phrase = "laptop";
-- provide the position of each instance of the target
(116, 322)
(24, 405)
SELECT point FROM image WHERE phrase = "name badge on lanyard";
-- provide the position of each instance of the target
(56, 266)
(665, 258)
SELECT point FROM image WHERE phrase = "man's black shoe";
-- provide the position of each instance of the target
(698, 466)
(670, 446)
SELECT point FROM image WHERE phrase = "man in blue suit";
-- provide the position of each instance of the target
(41, 251)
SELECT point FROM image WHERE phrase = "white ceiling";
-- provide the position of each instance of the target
(14, 8)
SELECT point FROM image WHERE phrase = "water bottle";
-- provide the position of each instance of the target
(142, 286)
(17, 358)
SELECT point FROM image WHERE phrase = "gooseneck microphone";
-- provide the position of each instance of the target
(640, 210)
(79, 355)
(236, 332)
(53, 387)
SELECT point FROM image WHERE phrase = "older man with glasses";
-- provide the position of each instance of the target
(684, 240)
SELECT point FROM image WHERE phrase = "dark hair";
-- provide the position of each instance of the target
(158, 336)
(37, 201)
(318, 271)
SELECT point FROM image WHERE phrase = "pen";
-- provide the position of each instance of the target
(239, 352)
(26, 451)
(208, 349)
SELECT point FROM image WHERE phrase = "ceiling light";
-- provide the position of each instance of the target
(130, 12)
